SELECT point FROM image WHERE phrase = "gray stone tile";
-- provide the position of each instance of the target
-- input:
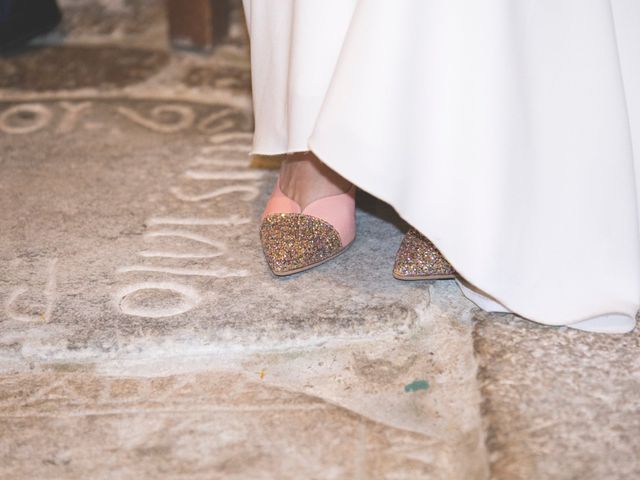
(559, 403)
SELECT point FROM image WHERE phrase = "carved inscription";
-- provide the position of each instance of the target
(25, 118)
(125, 298)
(41, 312)
(180, 246)
(225, 160)
(64, 117)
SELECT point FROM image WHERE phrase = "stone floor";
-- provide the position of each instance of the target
(142, 335)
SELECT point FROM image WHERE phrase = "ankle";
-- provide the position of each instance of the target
(304, 178)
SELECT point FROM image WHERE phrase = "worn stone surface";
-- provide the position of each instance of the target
(71, 67)
(559, 403)
(130, 238)
(196, 426)
(142, 334)
(141, 245)
(127, 61)
(123, 204)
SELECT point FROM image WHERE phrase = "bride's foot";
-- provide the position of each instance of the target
(419, 259)
(310, 217)
(304, 179)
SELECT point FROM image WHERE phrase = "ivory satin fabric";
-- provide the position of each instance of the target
(506, 131)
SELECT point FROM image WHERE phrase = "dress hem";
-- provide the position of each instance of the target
(589, 323)
(521, 312)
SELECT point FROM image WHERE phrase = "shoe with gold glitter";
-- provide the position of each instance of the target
(295, 239)
(419, 259)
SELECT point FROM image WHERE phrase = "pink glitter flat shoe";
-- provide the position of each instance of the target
(419, 259)
(295, 239)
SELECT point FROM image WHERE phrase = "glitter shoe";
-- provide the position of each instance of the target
(294, 239)
(419, 259)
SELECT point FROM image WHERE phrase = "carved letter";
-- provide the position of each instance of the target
(34, 117)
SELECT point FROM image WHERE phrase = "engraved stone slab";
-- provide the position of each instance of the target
(130, 249)
(128, 222)
(196, 426)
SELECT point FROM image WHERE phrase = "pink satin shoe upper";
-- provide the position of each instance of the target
(337, 210)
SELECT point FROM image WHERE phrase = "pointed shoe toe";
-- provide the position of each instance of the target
(295, 239)
(293, 242)
(419, 259)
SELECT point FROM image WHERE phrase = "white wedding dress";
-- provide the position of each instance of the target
(506, 131)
